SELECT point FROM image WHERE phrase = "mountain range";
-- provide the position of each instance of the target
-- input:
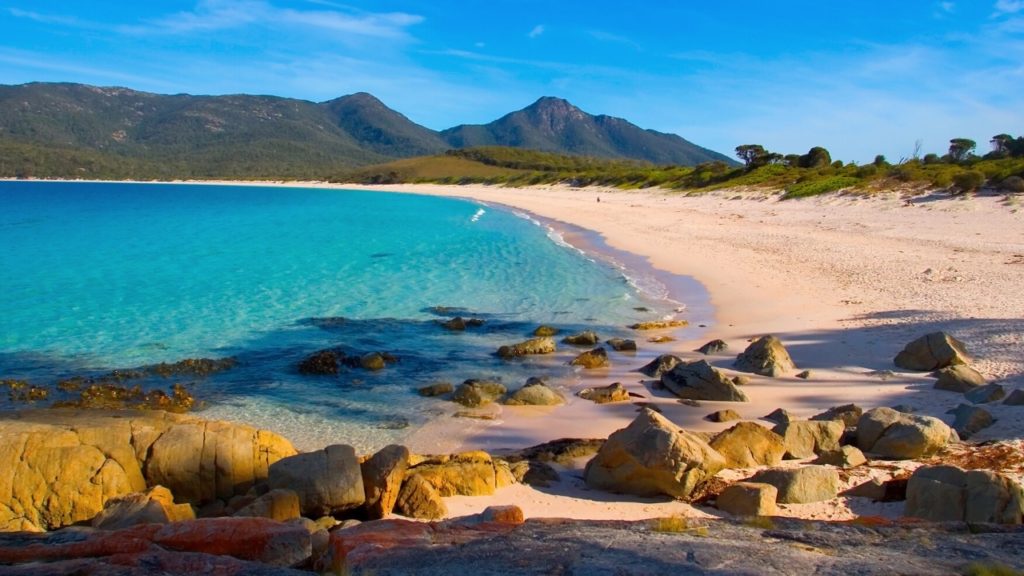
(76, 130)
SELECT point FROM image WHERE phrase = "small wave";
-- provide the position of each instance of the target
(479, 213)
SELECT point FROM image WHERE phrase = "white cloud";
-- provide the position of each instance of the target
(947, 7)
(537, 31)
(1008, 7)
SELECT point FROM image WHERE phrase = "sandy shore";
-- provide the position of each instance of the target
(845, 281)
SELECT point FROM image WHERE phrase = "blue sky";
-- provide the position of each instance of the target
(860, 78)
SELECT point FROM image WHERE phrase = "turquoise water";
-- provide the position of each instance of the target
(103, 276)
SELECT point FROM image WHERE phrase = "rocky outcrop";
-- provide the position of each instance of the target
(419, 499)
(543, 345)
(932, 352)
(320, 363)
(596, 358)
(701, 381)
(613, 392)
(801, 485)
(808, 438)
(945, 493)
(713, 347)
(748, 499)
(465, 474)
(659, 324)
(585, 338)
(383, 474)
(622, 344)
(280, 504)
(660, 365)
(535, 393)
(474, 393)
(155, 506)
(892, 434)
(327, 481)
(652, 456)
(765, 356)
(63, 465)
(959, 378)
(747, 444)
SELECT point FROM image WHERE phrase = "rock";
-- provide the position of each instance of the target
(893, 490)
(660, 365)
(766, 356)
(959, 378)
(844, 457)
(534, 473)
(383, 474)
(596, 358)
(327, 481)
(465, 474)
(436, 389)
(748, 444)
(892, 434)
(544, 345)
(613, 392)
(808, 438)
(1016, 398)
(661, 339)
(564, 451)
(727, 415)
(257, 539)
(320, 363)
(535, 394)
(622, 345)
(419, 499)
(474, 393)
(779, 416)
(806, 374)
(659, 324)
(543, 331)
(650, 457)
(970, 420)
(801, 485)
(701, 381)
(713, 347)
(155, 506)
(459, 324)
(848, 414)
(585, 338)
(947, 493)
(986, 394)
(61, 466)
(280, 504)
(931, 352)
(372, 361)
(748, 499)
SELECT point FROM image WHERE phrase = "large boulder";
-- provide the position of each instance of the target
(596, 358)
(809, 438)
(475, 393)
(535, 393)
(985, 394)
(701, 381)
(419, 499)
(848, 414)
(748, 499)
(660, 365)
(465, 474)
(651, 457)
(959, 378)
(62, 466)
(844, 457)
(383, 474)
(765, 356)
(801, 485)
(155, 506)
(948, 493)
(747, 444)
(931, 352)
(542, 345)
(969, 420)
(327, 481)
(892, 434)
(622, 344)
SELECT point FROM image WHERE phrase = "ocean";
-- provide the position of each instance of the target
(111, 276)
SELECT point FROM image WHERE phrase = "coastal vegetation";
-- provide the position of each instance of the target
(798, 175)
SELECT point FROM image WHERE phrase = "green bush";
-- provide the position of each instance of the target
(815, 187)
(969, 180)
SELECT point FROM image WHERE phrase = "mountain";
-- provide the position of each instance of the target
(76, 130)
(555, 125)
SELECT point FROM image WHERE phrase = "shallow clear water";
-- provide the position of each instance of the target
(102, 276)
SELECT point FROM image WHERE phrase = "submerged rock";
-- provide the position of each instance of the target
(596, 358)
(659, 324)
(543, 345)
(585, 338)
(474, 393)
(622, 345)
(536, 394)
(321, 363)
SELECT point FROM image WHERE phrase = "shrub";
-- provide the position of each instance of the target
(822, 186)
(1012, 184)
(969, 180)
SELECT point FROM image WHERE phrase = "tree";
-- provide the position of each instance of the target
(751, 154)
(880, 161)
(816, 158)
(931, 158)
(1002, 143)
(961, 148)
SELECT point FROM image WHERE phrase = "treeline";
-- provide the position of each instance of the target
(814, 172)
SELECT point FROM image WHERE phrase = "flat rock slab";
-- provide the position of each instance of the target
(698, 547)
